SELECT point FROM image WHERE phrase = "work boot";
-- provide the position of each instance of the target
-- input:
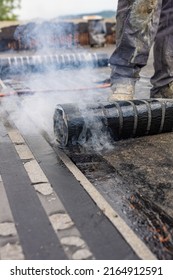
(122, 89)
(163, 92)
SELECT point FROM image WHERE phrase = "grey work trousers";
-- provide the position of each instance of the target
(140, 23)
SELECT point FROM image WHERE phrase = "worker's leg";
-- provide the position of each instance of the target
(136, 27)
(163, 54)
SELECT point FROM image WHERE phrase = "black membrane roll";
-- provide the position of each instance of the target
(121, 119)
(68, 124)
(58, 61)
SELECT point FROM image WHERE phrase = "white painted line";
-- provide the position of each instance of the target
(17, 137)
(25, 153)
(44, 188)
(61, 221)
(11, 252)
(35, 173)
(132, 239)
(7, 229)
(80, 254)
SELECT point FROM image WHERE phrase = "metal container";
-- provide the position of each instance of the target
(121, 120)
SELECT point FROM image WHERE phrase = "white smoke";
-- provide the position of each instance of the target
(54, 87)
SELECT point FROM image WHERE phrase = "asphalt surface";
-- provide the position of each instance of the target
(101, 201)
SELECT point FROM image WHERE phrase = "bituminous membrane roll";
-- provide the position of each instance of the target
(59, 61)
(120, 119)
